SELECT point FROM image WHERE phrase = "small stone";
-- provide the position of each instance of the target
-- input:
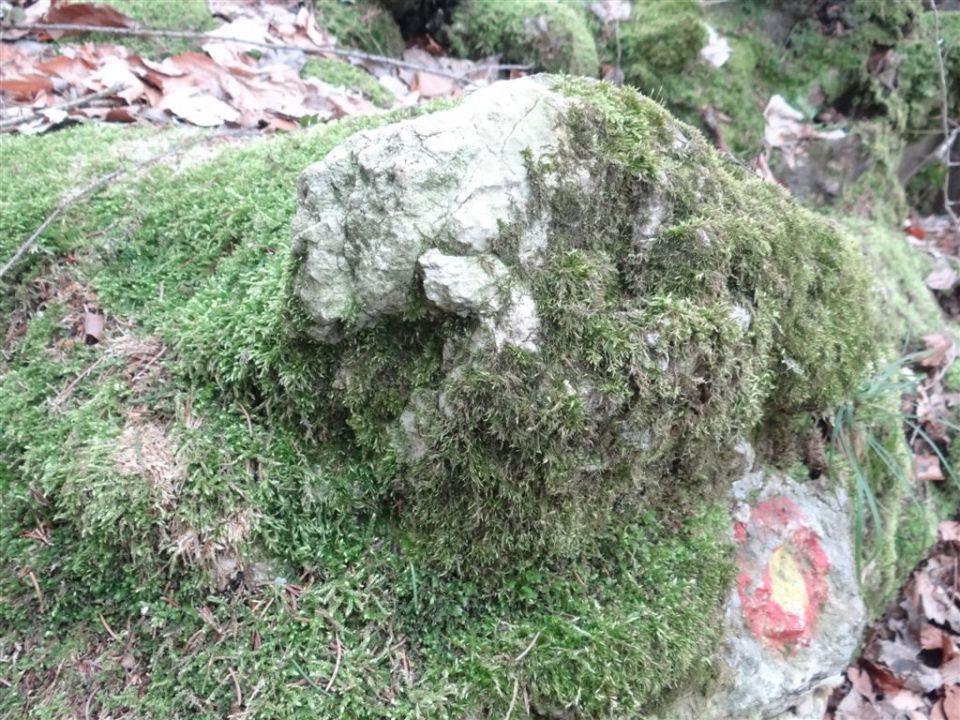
(463, 285)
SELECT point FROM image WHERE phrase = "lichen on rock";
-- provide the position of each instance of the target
(599, 305)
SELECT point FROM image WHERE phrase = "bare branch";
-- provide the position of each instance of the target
(317, 50)
(78, 102)
(948, 137)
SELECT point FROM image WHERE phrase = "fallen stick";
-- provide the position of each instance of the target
(78, 102)
(98, 184)
(317, 50)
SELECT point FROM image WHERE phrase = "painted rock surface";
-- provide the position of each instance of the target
(795, 616)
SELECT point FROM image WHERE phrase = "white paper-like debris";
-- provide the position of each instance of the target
(717, 50)
(785, 129)
(784, 123)
(611, 10)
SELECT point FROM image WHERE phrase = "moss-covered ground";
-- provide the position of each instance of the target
(139, 474)
(549, 35)
(342, 74)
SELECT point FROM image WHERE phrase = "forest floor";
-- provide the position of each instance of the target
(910, 663)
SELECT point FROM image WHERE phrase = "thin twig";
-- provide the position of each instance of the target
(98, 184)
(236, 687)
(110, 632)
(513, 700)
(526, 652)
(67, 391)
(336, 666)
(78, 102)
(947, 137)
(318, 50)
(36, 588)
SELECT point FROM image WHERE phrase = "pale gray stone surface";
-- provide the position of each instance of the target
(464, 284)
(761, 681)
(378, 202)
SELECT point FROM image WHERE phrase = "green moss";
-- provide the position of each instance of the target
(639, 340)
(343, 74)
(192, 15)
(659, 39)
(364, 25)
(547, 34)
(286, 449)
(894, 521)
(909, 309)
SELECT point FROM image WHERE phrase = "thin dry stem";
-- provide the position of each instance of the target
(78, 102)
(948, 136)
(317, 50)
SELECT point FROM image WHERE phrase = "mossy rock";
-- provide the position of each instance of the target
(659, 39)
(546, 34)
(190, 265)
(908, 306)
(566, 315)
(361, 24)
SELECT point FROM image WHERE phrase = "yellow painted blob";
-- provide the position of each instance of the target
(787, 587)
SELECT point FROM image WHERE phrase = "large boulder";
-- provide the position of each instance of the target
(553, 306)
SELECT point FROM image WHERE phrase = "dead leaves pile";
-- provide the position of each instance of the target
(247, 75)
(939, 237)
(910, 666)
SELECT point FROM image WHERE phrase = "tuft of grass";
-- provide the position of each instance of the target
(893, 523)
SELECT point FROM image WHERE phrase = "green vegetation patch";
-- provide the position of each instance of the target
(362, 24)
(549, 35)
(190, 527)
(191, 15)
(660, 39)
(343, 74)
(738, 312)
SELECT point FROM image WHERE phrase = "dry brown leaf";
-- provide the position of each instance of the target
(881, 675)
(951, 702)
(935, 603)
(434, 86)
(949, 531)
(201, 109)
(943, 278)
(905, 701)
(941, 351)
(926, 468)
(23, 89)
(950, 670)
(113, 71)
(126, 114)
(230, 9)
(72, 69)
(92, 326)
(860, 680)
(85, 14)
(931, 637)
(855, 707)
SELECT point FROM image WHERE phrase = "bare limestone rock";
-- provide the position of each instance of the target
(371, 211)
